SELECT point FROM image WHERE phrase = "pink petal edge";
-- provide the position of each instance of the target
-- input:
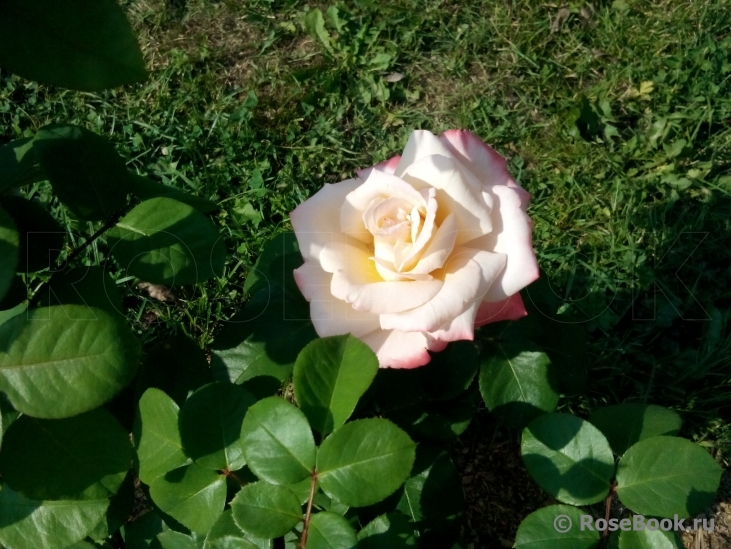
(415, 361)
(387, 166)
(473, 152)
(511, 308)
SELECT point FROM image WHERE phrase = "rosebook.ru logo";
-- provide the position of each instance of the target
(563, 524)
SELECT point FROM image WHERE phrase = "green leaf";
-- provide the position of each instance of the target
(433, 390)
(278, 442)
(334, 19)
(302, 490)
(119, 510)
(587, 120)
(391, 531)
(225, 534)
(649, 539)
(626, 424)
(432, 497)
(244, 212)
(86, 286)
(330, 531)
(261, 543)
(81, 457)
(264, 339)
(568, 457)
(75, 44)
(54, 367)
(156, 435)
(663, 476)
(83, 545)
(250, 102)
(263, 386)
(170, 539)
(192, 495)
(266, 510)
(9, 251)
(244, 114)
(560, 336)
(26, 523)
(275, 265)
(19, 164)
(380, 61)
(210, 425)
(675, 148)
(41, 237)
(164, 241)
(176, 365)
(145, 189)
(17, 293)
(365, 461)
(437, 421)
(516, 383)
(86, 172)
(450, 372)
(8, 415)
(12, 313)
(315, 25)
(139, 533)
(330, 375)
(326, 503)
(555, 526)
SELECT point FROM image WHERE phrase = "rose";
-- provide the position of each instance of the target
(417, 251)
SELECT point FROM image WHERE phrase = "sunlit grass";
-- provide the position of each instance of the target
(616, 117)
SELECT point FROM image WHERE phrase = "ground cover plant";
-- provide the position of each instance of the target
(614, 116)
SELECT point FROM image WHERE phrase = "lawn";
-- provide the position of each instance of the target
(615, 116)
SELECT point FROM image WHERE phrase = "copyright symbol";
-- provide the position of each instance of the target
(562, 524)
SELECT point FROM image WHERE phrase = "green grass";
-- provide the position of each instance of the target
(618, 123)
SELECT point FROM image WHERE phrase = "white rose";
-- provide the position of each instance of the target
(417, 251)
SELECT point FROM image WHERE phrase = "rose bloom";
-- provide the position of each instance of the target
(417, 251)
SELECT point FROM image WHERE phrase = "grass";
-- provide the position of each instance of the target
(615, 116)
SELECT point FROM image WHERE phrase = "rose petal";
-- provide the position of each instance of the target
(439, 248)
(391, 275)
(310, 280)
(480, 159)
(468, 275)
(410, 254)
(421, 143)
(511, 236)
(460, 327)
(343, 253)
(382, 219)
(329, 315)
(398, 349)
(313, 229)
(355, 203)
(507, 309)
(416, 224)
(387, 166)
(458, 192)
(356, 280)
(524, 197)
(435, 344)
(383, 297)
